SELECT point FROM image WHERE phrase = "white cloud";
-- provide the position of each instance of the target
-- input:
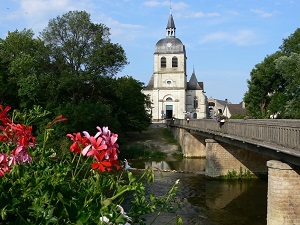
(154, 3)
(240, 38)
(35, 14)
(174, 5)
(202, 15)
(40, 8)
(263, 13)
(121, 31)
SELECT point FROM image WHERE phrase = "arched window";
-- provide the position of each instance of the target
(195, 116)
(174, 62)
(163, 62)
(169, 99)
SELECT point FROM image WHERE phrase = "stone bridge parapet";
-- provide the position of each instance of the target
(279, 135)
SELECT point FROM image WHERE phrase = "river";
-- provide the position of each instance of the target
(206, 201)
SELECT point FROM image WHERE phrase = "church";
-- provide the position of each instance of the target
(168, 90)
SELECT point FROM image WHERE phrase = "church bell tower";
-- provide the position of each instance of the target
(167, 87)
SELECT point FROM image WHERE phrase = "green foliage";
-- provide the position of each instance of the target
(238, 116)
(167, 134)
(129, 104)
(86, 115)
(31, 116)
(70, 69)
(137, 151)
(273, 90)
(79, 46)
(22, 59)
(289, 66)
(234, 175)
(264, 81)
(58, 187)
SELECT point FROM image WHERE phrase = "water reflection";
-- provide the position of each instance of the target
(180, 165)
(210, 202)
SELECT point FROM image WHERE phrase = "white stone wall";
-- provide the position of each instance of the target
(169, 89)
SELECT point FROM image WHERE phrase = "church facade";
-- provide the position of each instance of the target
(168, 90)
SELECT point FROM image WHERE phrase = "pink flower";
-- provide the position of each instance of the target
(19, 155)
(102, 147)
(3, 164)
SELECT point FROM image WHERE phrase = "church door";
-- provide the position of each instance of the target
(169, 111)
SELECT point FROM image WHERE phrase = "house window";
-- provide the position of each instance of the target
(163, 62)
(169, 99)
(174, 62)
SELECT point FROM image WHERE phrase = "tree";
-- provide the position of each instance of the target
(129, 105)
(79, 46)
(291, 44)
(274, 87)
(22, 60)
(289, 66)
(264, 82)
(70, 69)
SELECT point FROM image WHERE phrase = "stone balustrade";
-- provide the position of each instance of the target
(282, 135)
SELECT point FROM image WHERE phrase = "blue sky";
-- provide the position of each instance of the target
(224, 39)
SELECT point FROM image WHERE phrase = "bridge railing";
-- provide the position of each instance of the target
(285, 133)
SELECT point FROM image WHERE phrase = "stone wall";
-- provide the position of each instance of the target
(283, 194)
(193, 146)
(222, 158)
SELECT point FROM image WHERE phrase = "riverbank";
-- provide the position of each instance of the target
(156, 138)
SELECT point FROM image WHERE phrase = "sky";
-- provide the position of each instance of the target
(224, 39)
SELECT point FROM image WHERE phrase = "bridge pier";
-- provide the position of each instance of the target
(222, 158)
(193, 146)
(283, 194)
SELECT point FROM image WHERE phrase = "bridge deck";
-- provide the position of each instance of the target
(279, 135)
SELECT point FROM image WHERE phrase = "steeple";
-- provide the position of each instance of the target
(171, 25)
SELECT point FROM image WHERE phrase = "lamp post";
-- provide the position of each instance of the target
(226, 100)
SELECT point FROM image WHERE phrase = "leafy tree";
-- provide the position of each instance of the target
(289, 66)
(265, 81)
(130, 104)
(22, 60)
(291, 44)
(70, 69)
(77, 45)
(274, 84)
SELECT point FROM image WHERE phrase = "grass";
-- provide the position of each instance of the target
(234, 175)
(168, 136)
(135, 151)
(138, 145)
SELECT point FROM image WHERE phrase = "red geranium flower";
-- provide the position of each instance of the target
(79, 142)
(101, 165)
(3, 114)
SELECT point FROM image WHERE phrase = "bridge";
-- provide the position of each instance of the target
(260, 147)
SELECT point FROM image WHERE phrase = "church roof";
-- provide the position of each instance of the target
(193, 84)
(150, 85)
(175, 46)
(170, 44)
(171, 23)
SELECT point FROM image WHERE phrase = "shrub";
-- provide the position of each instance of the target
(85, 185)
